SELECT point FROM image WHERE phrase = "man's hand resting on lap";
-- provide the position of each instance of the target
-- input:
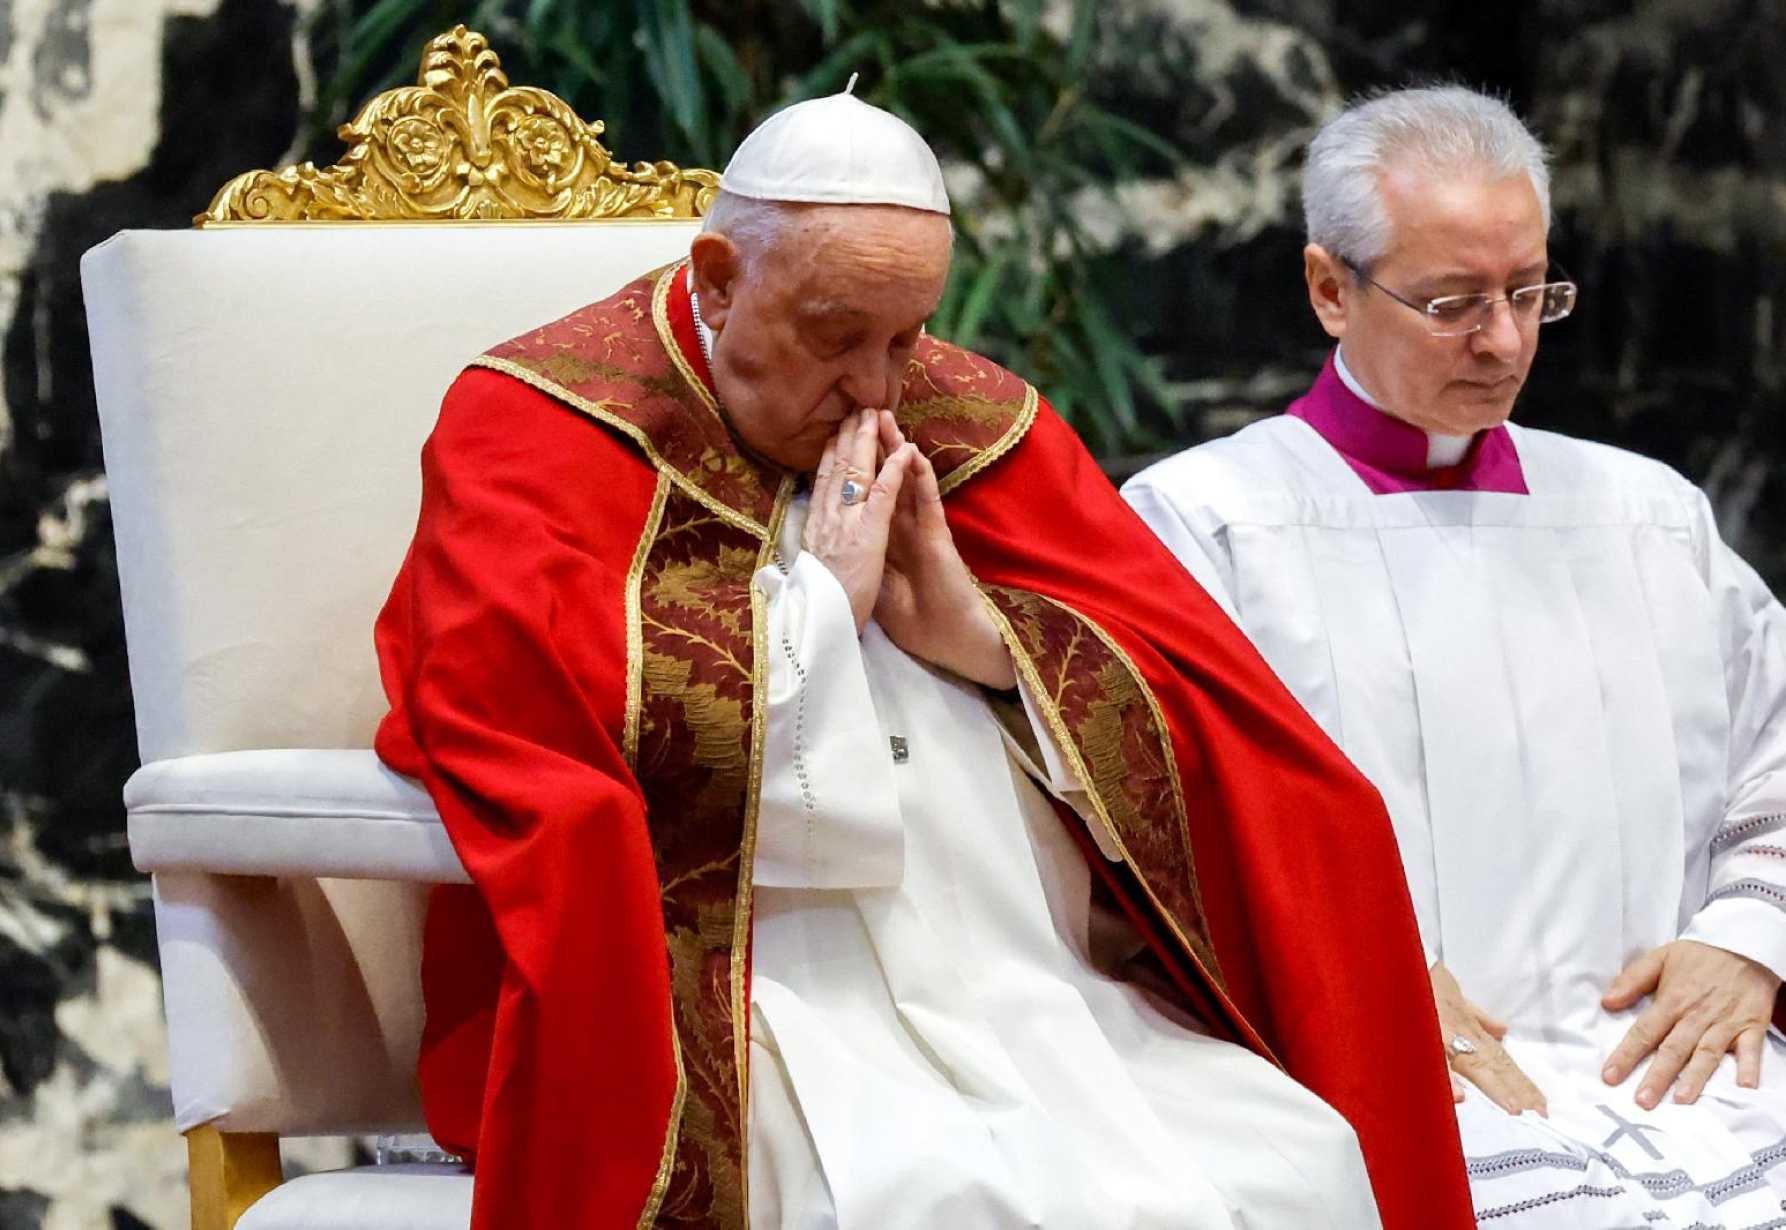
(1489, 1067)
(1704, 1002)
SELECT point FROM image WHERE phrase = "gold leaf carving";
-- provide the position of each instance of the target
(462, 145)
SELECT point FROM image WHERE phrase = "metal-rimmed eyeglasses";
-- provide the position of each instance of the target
(1458, 315)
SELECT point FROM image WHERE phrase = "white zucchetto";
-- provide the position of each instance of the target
(837, 150)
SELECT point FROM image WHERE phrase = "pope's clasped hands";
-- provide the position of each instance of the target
(876, 521)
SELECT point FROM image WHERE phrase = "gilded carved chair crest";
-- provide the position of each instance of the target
(463, 145)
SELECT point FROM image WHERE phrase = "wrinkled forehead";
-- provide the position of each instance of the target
(857, 256)
(864, 232)
(1469, 216)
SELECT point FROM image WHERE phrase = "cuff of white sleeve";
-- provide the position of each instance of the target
(807, 604)
(828, 815)
(1062, 781)
(1746, 926)
(825, 595)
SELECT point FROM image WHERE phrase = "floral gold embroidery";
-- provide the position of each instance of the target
(963, 411)
(1112, 728)
(606, 360)
(696, 731)
(618, 362)
(741, 919)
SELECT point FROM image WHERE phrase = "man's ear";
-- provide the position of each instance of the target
(716, 263)
(1330, 288)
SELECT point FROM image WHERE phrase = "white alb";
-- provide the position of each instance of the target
(933, 1043)
(1574, 705)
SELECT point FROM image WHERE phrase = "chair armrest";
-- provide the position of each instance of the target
(287, 812)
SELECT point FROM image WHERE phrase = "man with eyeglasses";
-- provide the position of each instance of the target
(1570, 692)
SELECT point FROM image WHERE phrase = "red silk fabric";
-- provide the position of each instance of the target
(547, 1056)
(548, 1053)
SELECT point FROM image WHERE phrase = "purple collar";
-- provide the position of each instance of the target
(1390, 455)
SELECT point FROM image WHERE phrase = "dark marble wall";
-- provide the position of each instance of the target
(1669, 123)
(112, 115)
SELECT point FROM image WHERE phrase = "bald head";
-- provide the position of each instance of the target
(754, 227)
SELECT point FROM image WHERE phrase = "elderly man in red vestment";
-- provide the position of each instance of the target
(870, 824)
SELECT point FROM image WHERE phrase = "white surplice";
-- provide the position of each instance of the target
(932, 1045)
(1574, 704)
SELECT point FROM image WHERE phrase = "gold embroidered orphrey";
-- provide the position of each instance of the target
(462, 145)
(696, 663)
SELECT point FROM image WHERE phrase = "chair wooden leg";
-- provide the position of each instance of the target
(227, 1172)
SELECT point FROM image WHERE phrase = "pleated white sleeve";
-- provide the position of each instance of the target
(829, 810)
(1745, 907)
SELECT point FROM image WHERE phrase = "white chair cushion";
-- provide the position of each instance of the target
(409, 1197)
(287, 812)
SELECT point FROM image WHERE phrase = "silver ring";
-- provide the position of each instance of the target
(852, 492)
(1460, 1045)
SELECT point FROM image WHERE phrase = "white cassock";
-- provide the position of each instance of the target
(1574, 705)
(931, 1044)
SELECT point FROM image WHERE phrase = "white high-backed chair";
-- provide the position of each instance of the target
(265, 383)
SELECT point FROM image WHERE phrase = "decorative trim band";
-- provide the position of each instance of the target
(1660, 1184)
(1539, 1202)
(635, 636)
(1758, 890)
(1742, 830)
(672, 1136)
(1005, 443)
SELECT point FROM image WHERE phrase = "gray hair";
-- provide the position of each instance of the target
(1446, 129)
(754, 226)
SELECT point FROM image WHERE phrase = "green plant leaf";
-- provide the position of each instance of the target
(832, 72)
(719, 59)
(666, 36)
(826, 13)
(1108, 353)
(979, 299)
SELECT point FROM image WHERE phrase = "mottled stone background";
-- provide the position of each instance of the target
(1669, 123)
